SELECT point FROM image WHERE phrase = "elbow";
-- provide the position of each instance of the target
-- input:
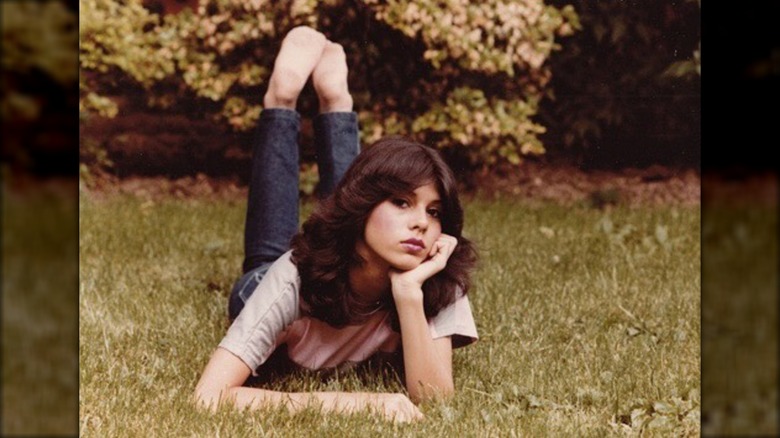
(206, 398)
(429, 393)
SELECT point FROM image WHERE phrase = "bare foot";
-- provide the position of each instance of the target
(330, 80)
(301, 50)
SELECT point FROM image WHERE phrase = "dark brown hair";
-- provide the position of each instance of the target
(325, 248)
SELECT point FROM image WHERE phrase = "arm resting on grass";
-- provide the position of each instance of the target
(225, 373)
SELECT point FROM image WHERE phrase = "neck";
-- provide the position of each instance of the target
(369, 282)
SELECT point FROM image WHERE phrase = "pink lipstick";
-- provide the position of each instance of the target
(413, 245)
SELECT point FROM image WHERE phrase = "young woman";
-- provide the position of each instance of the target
(380, 267)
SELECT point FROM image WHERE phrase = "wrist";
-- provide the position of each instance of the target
(410, 298)
(350, 402)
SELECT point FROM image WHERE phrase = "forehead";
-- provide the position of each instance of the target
(427, 192)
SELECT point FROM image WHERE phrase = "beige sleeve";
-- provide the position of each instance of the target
(457, 321)
(272, 307)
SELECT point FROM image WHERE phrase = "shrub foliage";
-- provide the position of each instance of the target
(464, 76)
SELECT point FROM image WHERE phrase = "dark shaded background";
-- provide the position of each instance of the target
(743, 77)
(38, 166)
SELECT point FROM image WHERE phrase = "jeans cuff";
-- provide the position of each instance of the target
(337, 117)
(280, 113)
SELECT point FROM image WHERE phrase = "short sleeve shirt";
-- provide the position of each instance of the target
(272, 317)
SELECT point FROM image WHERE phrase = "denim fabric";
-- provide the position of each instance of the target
(272, 208)
(244, 287)
(336, 144)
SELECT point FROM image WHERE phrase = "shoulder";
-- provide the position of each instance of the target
(281, 282)
(285, 264)
(285, 271)
(272, 307)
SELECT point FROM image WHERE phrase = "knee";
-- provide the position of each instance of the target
(206, 399)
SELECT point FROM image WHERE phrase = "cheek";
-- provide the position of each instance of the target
(435, 231)
(379, 224)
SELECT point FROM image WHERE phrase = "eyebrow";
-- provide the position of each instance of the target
(435, 201)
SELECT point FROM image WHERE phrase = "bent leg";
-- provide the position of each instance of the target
(337, 144)
(336, 127)
(272, 208)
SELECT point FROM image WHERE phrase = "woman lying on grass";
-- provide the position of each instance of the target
(379, 269)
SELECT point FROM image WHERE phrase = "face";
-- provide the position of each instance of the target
(401, 230)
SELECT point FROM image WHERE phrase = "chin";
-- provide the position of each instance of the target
(406, 263)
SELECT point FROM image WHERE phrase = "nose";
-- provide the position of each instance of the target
(420, 220)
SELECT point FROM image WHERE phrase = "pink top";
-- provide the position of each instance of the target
(315, 345)
(272, 317)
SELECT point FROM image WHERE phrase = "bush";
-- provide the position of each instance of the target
(627, 89)
(464, 76)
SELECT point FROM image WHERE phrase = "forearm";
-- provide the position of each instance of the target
(256, 398)
(389, 405)
(428, 373)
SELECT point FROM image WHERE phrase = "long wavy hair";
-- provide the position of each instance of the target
(324, 250)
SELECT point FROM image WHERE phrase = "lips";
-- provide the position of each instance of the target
(413, 245)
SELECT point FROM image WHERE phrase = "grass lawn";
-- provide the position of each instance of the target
(589, 324)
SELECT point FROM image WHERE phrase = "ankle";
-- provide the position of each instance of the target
(271, 100)
(341, 103)
(283, 90)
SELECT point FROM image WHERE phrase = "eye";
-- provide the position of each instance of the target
(398, 202)
(434, 212)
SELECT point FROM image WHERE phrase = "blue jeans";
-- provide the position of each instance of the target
(272, 208)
